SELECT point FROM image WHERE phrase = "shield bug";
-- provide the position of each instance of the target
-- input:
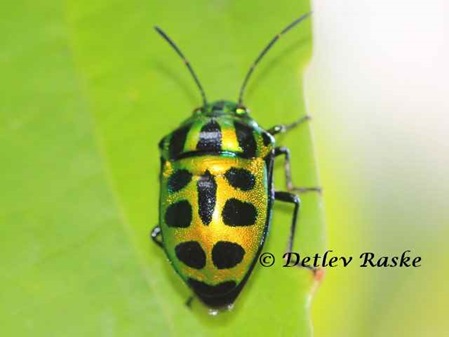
(217, 193)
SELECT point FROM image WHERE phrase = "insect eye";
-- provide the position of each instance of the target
(240, 111)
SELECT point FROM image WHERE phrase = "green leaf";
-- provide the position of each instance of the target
(88, 89)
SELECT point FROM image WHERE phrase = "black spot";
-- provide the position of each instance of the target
(210, 137)
(207, 197)
(179, 180)
(266, 138)
(218, 296)
(191, 253)
(246, 140)
(178, 140)
(227, 254)
(204, 289)
(179, 214)
(239, 213)
(240, 178)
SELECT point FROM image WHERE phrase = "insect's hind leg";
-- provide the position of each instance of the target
(156, 236)
(283, 151)
(293, 199)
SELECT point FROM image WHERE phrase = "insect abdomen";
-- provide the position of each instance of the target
(214, 213)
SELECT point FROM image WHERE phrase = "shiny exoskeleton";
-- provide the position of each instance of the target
(216, 193)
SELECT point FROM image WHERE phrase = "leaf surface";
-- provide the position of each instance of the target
(88, 90)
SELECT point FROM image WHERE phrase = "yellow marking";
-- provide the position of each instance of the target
(229, 139)
(249, 237)
(193, 137)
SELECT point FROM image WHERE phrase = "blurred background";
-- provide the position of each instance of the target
(377, 88)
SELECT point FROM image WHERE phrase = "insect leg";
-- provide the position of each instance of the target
(156, 236)
(282, 128)
(293, 199)
(189, 301)
(278, 151)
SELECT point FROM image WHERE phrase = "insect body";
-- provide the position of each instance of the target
(216, 193)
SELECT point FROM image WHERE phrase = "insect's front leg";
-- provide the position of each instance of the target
(282, 128)
(156, 236)
(283, 151)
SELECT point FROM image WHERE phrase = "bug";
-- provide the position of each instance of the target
(217, 192)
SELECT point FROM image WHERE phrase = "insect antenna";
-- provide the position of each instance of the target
(264, 51)
(186, 62)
